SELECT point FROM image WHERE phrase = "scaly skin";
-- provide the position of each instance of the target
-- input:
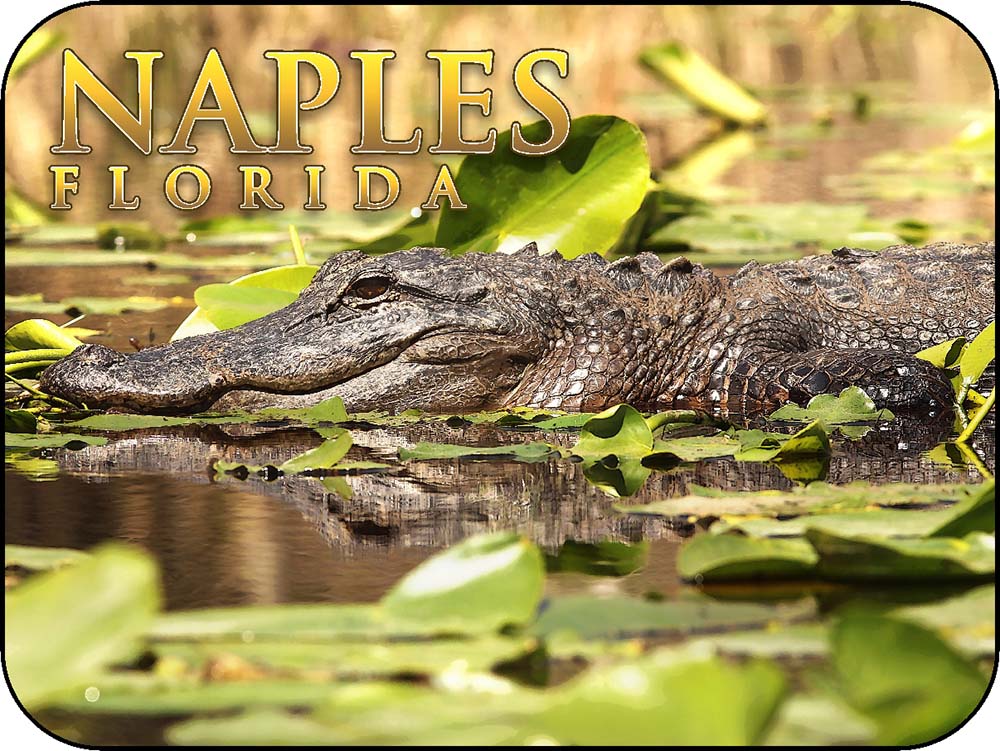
(422, 329)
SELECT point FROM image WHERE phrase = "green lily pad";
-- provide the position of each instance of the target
(967, 621)
(576, 200)
(327, 455)
(671, 697)
(909, 681)
(41, 559)
(975, 514)
(620, 431)
(722, 557)
(49, 440)
(851, 405)
(913, 559)
(607, 558)
(111, 597)
(37, 333)
(481, 584)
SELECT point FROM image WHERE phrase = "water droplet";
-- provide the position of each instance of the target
(92, 694)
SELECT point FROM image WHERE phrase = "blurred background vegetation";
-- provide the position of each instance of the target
(821, 61)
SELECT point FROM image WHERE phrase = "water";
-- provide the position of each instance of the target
(223, 541)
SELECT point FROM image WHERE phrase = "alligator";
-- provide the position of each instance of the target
(425, 329)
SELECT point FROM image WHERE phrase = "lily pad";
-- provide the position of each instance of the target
(576, 200)
(607, 558)
(895, 672)
(479, 585)
(913, 559)
(850, 406)
(327, 455)
(50, 440)
(731, 556)
(112, 596)
(38, 333)
(41, 559)
(619, 431)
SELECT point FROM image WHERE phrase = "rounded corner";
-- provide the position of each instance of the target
(54, 14)
(965, 29)
(30, 717)
(965, 720)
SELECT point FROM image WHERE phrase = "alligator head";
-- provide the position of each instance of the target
(415, 328)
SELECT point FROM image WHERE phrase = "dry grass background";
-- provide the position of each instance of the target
(812, 46)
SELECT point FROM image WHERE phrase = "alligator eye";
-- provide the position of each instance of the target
(369, 287)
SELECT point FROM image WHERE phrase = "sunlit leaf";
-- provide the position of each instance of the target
(575, 200)
(62, 627)
(907, 679)
(481, 584)
(851, 405)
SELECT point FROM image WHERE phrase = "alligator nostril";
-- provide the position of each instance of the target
(97, 354)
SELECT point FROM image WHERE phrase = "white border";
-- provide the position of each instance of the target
(20, 733)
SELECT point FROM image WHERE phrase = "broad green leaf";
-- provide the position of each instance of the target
(260, 727)
(696, 448)
(287, 622)
(703, 83)
(114, 423)
(37, 333)
(945, 354)
(979, 353)
(480, 584)
(618, 477)
(733, 556)
(522, 452)
(619, 431)
(347, 659)
(62, 627)
(851, 405)
(252, 296)
(936, 558)
(576, 200)
(90, 305)
(598, 559)
(812, 440)
(49, 440)
(322, 457)
(872, 521)
(975, 514)
(967, 621)
(19, 421)
(41, 559)
(669, 698)
(819, 719)
(815, 498)
(592, 617)
(913, 685)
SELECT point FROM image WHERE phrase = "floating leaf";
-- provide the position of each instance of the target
(19, 421)
(668, 698)
(576, 200)
(703, 83)
(978, 355)
(62, 627)
(851, 405)
(619, 431)
(945, 354)
(592, 617)
(481, 584)
(975, 514)
(41, 559)
(50, 440)
(907, 679)
(323, 457)
(871, 557)
(712, 557)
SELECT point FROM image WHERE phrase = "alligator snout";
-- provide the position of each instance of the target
(101, 378)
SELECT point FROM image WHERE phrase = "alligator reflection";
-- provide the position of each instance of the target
(255, 540)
